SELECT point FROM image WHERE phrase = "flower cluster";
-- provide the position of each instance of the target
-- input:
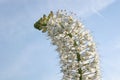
(77, 50)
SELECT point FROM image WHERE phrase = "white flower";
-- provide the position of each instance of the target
(77, 50)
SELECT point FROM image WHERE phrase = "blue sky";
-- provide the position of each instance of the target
(27, 54)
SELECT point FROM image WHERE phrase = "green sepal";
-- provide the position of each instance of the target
(37, 25)
(70, 35)
(44, 24)
(44, 29)
(75, 44)
(61, 25)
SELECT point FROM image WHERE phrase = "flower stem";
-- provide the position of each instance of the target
(79, 70)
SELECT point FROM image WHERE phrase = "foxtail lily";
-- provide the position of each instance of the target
(77, 50)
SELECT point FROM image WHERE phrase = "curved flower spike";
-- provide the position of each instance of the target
(77, 50)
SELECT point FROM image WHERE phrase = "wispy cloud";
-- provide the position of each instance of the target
(83, 8)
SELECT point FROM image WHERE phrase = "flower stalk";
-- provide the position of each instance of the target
(77, 50)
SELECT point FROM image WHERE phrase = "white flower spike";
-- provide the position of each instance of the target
(77, 50)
